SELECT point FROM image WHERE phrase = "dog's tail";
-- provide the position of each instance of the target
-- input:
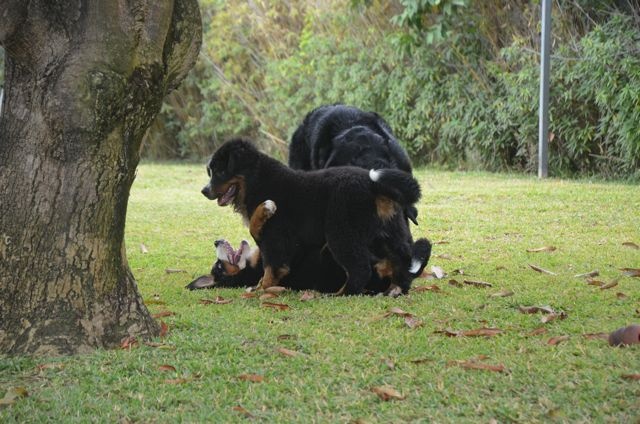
(400, 187)
(420, 254)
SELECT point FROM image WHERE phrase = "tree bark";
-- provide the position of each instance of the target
(84, 79)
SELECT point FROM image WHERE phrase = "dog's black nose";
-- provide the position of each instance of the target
(206, 191)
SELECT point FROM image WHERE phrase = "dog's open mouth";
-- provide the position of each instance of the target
(228, 196)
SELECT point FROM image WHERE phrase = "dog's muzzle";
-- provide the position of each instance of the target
(208, 193)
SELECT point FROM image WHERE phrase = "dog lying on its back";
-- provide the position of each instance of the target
(356, 213)
(311, 270)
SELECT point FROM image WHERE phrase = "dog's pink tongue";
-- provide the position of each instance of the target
(227, 196)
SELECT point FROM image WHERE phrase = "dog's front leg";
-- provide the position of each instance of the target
(276, 257)
(272, 278)
(260, 216)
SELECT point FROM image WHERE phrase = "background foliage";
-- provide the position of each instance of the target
(456, 79)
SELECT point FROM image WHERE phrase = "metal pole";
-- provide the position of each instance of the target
(543, 134)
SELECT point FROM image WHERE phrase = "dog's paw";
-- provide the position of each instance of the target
(393, 291)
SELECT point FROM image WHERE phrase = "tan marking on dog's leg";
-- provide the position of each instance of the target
(384, 268)
(263, 212)
(270, 279)
(386, 208)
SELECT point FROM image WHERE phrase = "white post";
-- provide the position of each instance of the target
(543, 127)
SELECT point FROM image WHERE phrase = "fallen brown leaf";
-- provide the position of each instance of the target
(278, 306)
(621, 295)
(164, 329)
(455, 283)
(387, 393)
(631, 245)
(243, 411)
(542, 249)
(592, 336)
(477, 283)
(610, 285)
(249, 295)
(594, 282)
(166, 367)
(557, 340)
(389, 363)
(504, 293)
(286, 337)
(593, 273)
(143, 249)
(541, 270)
(631, 376)
(458, 271)
(472, 365)
(266, 296)
(433, 288)
(162, 314)
(441, 242)
(631, 272)
(51, 366)
(307, 295)
(287, 352)
(397, 311)
(128, 342)
(552, 317)
(438, 272)
(478, 332)
(254, 378)
(175, 271)
(421, 361)
(413, 322)
(219, 300)
(13, 395)
(536, 309)
(538, 331)
(481, 332)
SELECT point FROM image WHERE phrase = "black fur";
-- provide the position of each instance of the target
(339, 135)
(336, 207)
(311, 270)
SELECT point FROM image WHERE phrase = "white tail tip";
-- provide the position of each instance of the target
(415, 266)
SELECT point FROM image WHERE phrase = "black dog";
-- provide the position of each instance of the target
(339, 135)
(354, 212)
(314, 270)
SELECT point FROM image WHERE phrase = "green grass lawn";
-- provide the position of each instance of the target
(345, 347)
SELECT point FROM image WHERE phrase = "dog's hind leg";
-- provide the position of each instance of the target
(355, 260)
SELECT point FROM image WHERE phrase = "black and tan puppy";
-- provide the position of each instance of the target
(348, 209)
(340, 135)
(314, 269)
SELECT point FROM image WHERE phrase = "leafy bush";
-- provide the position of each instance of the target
(457, 80)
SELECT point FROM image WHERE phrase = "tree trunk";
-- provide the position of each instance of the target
(84, 79)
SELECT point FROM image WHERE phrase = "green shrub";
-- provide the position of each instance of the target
(456, 80)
